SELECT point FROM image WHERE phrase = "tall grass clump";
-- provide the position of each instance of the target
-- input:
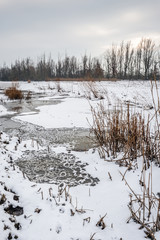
(13, 93)
(127, 132)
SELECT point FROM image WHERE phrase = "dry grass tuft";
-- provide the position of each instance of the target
(127, 132)
(13, 93)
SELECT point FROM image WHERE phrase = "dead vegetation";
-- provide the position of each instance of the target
(101, 222)
(28, 95)
(92, 90)
(145, 206)
(126, 137)
(58, 86)
(13, 93)
(127, 132)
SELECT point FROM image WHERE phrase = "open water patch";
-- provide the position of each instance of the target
(78, 139)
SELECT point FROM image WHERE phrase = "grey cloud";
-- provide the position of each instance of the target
(33, 27)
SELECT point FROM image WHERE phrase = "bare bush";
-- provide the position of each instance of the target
(13, 93)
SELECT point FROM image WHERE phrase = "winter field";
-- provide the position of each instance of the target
(60, 181)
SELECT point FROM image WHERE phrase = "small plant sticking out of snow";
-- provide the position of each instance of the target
(145, 207)
(58, 85)
(88, 219)
(92, 91)
(92, 236)
(37, 210)
(28, 96)
(101, 223)
(2, 199)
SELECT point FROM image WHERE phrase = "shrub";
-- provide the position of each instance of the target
(13, 93)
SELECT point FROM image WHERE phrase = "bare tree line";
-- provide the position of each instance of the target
(118, 62)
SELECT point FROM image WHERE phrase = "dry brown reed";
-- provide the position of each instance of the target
(124, 131)
(101, 222)
(92, 91)
(145, 207)
(13, 93)
(80, 79)
(28, 95)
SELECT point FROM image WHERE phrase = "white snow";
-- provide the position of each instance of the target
(3, 111)
(71, 112)
(54, 221)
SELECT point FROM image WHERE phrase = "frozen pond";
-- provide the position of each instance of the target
(46, 165)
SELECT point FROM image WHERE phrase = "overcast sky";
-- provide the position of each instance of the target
(29, 28)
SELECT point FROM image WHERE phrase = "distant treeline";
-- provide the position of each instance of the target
(118, 62)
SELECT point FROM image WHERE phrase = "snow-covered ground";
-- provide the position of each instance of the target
(59, 212)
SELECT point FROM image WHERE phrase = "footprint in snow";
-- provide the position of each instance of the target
(61, 210)
(58, 229)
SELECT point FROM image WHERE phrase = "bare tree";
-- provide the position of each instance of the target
(114, 61)
(107, 64)
(120, 60)
(84, 65)
(147, 55)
